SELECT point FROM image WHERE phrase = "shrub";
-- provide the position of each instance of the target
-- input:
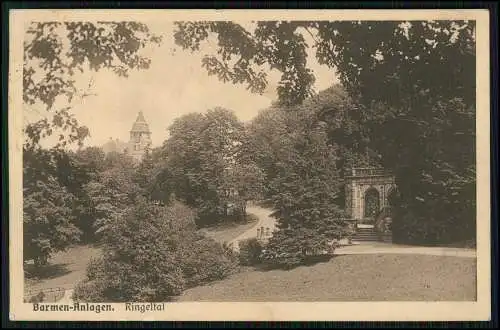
(250, 252)
(47, 220)
(93, 288)
(153, 277)
(204, 260)
(151, 254)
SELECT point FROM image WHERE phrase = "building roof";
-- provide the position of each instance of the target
(114, 145)
(367, 172)
(140, 124)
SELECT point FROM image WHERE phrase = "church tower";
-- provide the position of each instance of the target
(140, 137)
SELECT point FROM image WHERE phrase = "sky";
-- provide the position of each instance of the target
(174, 85)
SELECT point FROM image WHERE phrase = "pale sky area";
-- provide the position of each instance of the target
(173, 86)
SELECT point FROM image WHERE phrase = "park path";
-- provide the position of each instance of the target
(265, 220)
(387, 248)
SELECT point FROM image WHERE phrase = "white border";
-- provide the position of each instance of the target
(270, 311)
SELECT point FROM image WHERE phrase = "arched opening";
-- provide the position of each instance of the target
(372, 203)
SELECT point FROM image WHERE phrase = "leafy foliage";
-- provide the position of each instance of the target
(203, 162)
(111, 192)
(250, 251)
(303, 178)
(75, 170)
(421, 120)
(243, 182)
(413, 86)
(48, 220)
(305, 196)
(54, 53)
(151, 254)
(271, 133)
(204, 260)
(138, 263)
(241, 54)
(364, 53)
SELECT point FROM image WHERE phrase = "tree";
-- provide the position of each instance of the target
(54, 53)
(181, 152)
(151, 254)
(48, 220)
(139, 261)
(349, 47)
(93, 158)
(161, 183)
(74, 170)
(200, 151)
(243, 182)
(266, 138)
(305, 196)
(144, 172)
(268, 131)
(113, 191)
(425, 109)
(414, 83)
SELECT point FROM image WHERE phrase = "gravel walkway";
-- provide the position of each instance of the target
(385, 248)
(265, 220)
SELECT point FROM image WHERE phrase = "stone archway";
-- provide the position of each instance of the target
(358, 183)
(371, 203)
(392, 196)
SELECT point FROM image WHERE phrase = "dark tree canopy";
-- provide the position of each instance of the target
(204, 163)
(384, 61)
(412, 85)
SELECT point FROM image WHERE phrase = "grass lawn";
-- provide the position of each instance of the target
(380, 277)
(226, 232)
(64, 270)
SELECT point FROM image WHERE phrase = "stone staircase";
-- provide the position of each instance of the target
(367, 234)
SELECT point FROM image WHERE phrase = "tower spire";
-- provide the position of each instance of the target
(140, 125)
(140, 136)
(140, 117)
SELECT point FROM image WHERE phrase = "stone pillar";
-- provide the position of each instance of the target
(359, 201)
(383, 203)
(348, 198)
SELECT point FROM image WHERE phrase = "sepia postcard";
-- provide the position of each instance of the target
(249, 165)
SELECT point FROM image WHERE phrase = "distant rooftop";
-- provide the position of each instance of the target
(114, 145)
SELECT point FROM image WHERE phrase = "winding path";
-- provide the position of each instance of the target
(265, 220)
